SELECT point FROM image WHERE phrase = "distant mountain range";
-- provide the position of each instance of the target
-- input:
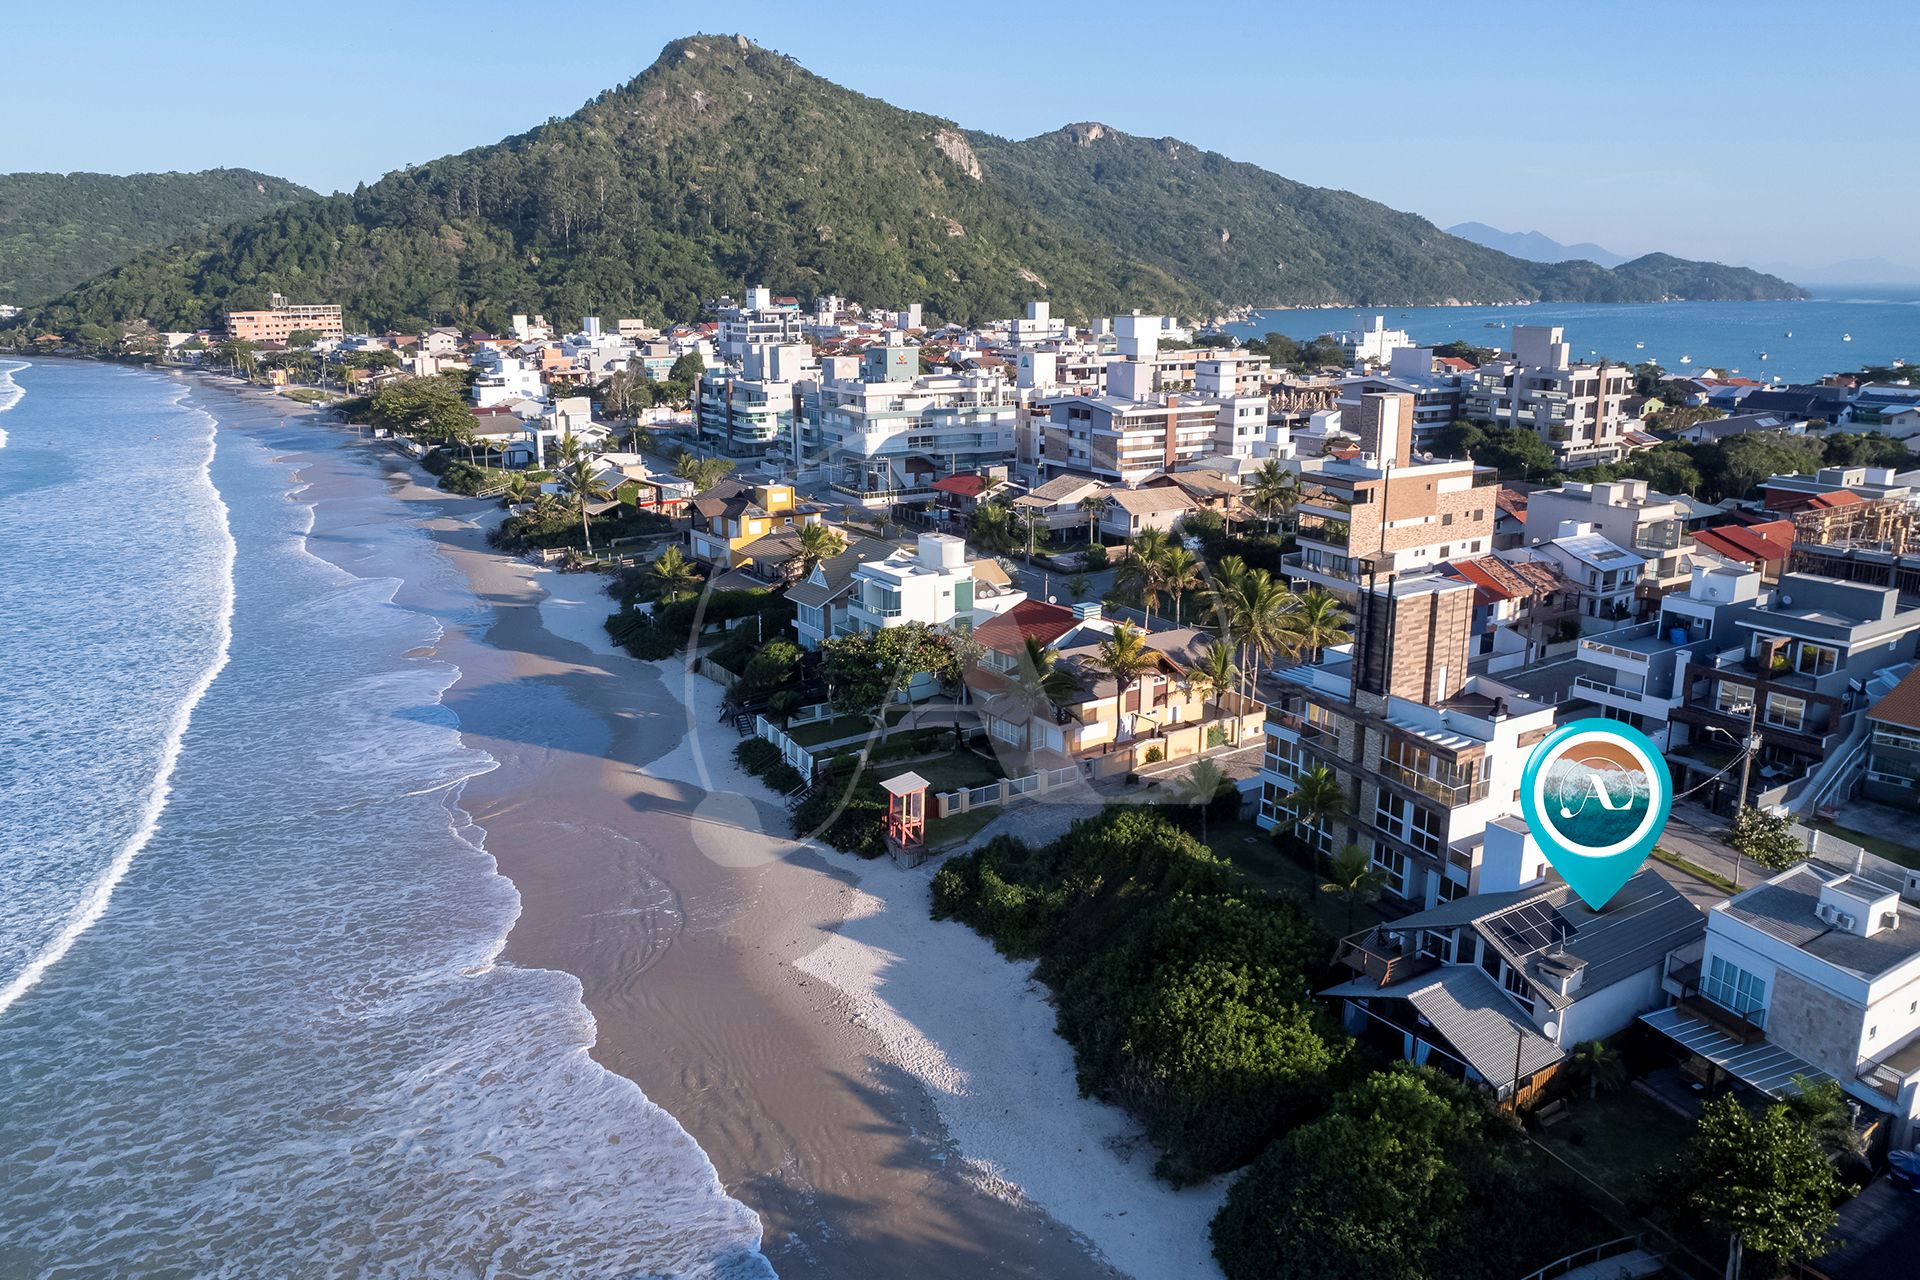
(725, 163)
(59, 229)
(1534, 246)
(1854, 271)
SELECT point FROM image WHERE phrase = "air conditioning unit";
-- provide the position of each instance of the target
(1842, 920)
(1826, 912)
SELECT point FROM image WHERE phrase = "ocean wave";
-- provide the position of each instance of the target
(10, 391)
(93, 904)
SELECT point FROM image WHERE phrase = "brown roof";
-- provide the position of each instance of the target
(1029, 620)
(1511, 501)
(1902, 705)
(1748, 543)
(1497, 579)
(1142, 502)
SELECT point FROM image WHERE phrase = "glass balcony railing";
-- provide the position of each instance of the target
(1445, 792)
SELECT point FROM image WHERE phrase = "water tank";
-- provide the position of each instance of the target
(1677, 636)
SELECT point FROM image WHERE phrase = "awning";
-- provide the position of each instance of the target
(1767, 1067)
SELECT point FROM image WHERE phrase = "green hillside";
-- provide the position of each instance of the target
(59, 229)
(725, 163)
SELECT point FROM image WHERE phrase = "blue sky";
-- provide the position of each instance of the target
(1708, 130)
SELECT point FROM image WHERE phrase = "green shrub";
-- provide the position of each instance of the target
(756, 756)
(1155, 755)
(1095, 559)
(858, 828)
(784, 778)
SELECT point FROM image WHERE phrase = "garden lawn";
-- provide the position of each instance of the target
(1253, 853)
(1617, 1139)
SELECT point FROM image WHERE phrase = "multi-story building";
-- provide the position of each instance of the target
(1813, 974)
(1226, 374)
(1606, 575)
(1426, 754)
(1625, 512)
(752, 412)
(931, 584)
(1793, 677)
(1578, 409)
(734, 513)
(1381, 514)
(1124, 440)
(760, 320)
(889, 432)
(1375, 344)
(281, 320)
(821, 600)
(1411, 372)
(1497, 988)
(1893, 745)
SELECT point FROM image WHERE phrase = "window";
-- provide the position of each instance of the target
(1414, 824)
(1731, 987)
(1394, 863)
(1815, 659)
(1732, 699)
(1785, 712)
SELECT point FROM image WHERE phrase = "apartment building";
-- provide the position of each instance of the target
(1380, 513)
(1373, 344)
(887, 432)
(760, 320)
(281, 320)
(1814, 973)
(1122, 439)
(1226, 374)
(752, 412)
(1427, 754)
(1410, 371)
(1578, 409)
(1625, 512)
(1794, 675)
(1606, 575)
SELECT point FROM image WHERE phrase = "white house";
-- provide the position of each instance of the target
(933, 584)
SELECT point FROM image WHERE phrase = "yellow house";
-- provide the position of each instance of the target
(734, 513)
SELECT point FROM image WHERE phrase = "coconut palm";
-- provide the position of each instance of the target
(580, 483)
(1597, 1067)
(1203, 784)
(819, 542)
(1125, 658)
(1179, 574)
(1215, 675)
(1223, 581)
(672, 577)
(1143, 570)
(1319, 620)
(1275, 490)
(1091, 506)
(1353, 877)
(701, 473)
(1319, 800)
(1040, 683)
(992, 528)
(1260, 616)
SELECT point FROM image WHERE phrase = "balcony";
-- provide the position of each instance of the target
(1370, 956)
(1611, 690)
(1324, 530)
(1450, 794)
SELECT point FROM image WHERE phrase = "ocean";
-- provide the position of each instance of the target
(1884, 322)
(251, 1022)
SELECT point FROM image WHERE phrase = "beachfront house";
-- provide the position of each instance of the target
(1497, 989)
(734, 513)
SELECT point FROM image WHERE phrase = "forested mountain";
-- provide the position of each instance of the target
(59, 229)
(725, 163)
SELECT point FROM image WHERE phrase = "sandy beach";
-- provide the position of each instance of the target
(883, 1090)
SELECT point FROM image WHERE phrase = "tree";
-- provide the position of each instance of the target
(996, 528)
(303, 338)
(580, 482)
(1215, 674)
(1258, 616)
(672, 577)
(865, 669)
(1353, 877)
(1040, 683)
(1826, 1111)
(819, 542)
(1201, 786)
(1766, 839)
(1143, 571)
(1275, 491)
(1179, 574)
(1124, 658)
(1319, 800)
(1598, 1068)
(701, 473)
(1761, 1179)
(1319, 620)
(1091, 506)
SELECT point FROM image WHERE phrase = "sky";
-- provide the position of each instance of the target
(1709, 130)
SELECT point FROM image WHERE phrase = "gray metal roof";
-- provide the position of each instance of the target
(1784, 909)
(1479, 1021)
(1767, 1067)
(838, 571)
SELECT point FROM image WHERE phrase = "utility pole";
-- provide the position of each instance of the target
(1751, 744)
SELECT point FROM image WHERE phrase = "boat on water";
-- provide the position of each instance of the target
(1639, 346)
(1686, 359)
(1846, 337)
(1763, 355)
(1789, 333)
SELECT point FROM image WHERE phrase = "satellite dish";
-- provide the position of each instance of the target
(1053, 599)
(1552, 1029)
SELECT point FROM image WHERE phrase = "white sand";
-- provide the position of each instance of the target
(972, 1027)
(575, 607)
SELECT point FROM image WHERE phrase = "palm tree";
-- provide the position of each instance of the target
(701, 473)
(819, 542)
(673, 578)
(1319, 620)
(1319, 800)
(1144, 570)
(1597, 1067)
(1124, 658)
(1091, 506)
(1223, 582)
(1040, 683)
(1826, 1111)
(1214, 675)
(1204, 783)
(991, 526)
(1179, 574)
(1260, 616)
(1274, 489)
(1355, 879)
(581, 485)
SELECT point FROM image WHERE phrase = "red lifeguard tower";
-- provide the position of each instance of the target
(906, 811)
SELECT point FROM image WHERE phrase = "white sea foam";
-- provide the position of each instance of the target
(93, 904)
(10, 391)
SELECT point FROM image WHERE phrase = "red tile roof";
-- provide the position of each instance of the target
(1511, 501)
(1901, 706)
(1454, 364)
(1036, 619)
(1770, 541)
(1827, 501)
(1497, 579)
(963, 486)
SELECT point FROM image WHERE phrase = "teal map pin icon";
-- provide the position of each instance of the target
(1596, 795)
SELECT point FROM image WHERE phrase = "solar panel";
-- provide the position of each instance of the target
(1532, 927)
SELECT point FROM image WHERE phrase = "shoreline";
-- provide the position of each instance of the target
(768, 1007)
(790, 1092)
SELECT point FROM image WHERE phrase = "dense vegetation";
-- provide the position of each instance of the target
(1245, 235)
(59, 229)
(725, 163)
(1183, 993)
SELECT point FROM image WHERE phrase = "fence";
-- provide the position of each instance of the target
(1005, 791)
(790, 751)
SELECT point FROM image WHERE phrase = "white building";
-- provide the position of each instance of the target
(761, 319)
(888, 432)
(1374, 344)
(504, 378)
(931, 584)
(1606, 574)
(1578, 409)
